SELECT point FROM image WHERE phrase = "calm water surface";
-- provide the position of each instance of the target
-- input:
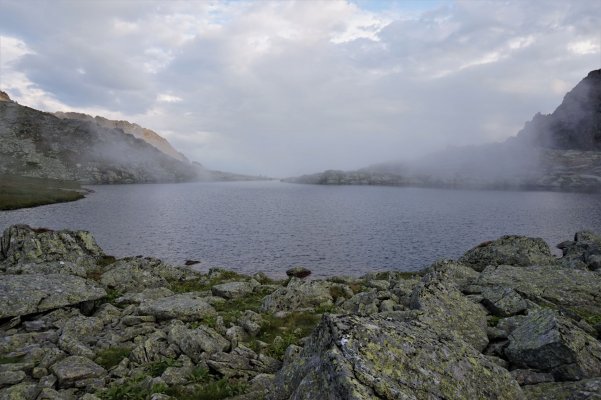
(270, 226)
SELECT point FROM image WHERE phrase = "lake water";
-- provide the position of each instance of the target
(333, 230)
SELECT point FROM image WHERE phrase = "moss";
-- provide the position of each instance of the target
(112, 356)
(10, 360)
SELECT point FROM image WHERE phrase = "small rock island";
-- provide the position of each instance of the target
(508, 320)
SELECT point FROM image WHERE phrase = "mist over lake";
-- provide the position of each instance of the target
(333, 230)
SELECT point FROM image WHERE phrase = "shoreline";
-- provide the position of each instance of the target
(95, 327)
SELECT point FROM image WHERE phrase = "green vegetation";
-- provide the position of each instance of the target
(132, 389)
(158, 367)
(21, 192)
(279, 333)
(590, 318)
(110, 357)
(111, 296)
(493, 320)
(10, 360)
(206, 283)
(207, 387)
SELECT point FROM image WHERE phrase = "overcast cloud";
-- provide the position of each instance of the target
(284, 88)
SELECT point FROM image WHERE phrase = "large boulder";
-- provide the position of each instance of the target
(509, 250)
(446, 308)
(195, 342)
(546, 341)
(503, 302)
(587, 389)
(350, 357)
(569, 288)
(33, 293)
(584, 252)
(234, 290)
(21, 244)
(134, 274)
(298, 295)
(185, 307)
(75, 368)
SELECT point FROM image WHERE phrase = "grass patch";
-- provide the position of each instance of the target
(206, 283)
(493, 320)
(132, 389)
(590, 318)
(212, 389)
(10, 360)
(112, 295)
(157, 368)
(289, 329)
(21, 192)
(108, 358)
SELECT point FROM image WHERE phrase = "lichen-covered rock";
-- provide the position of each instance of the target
(509, 250)
(134, 274)
(446, 308)
(574, 289)
(449, 270)
(32, 293)
(549, 342)
(22, 391)
(195, 342)
(233, 290)
(584, 252)
(185, 307)
(21, 244)
(503, 302)
(363, 304)
(298, 294)
(242, 362)
(75, 368)
(144, 295)
(251, 322)
(349, 357)
(587, 389)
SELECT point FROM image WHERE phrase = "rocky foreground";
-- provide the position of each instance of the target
(508, 320)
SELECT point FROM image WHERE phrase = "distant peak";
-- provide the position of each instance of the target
(4, 96)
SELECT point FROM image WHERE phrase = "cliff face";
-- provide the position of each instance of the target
(136, 130)
(575, 124)
(38, 144)
(4, 96)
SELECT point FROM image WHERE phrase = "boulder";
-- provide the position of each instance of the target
(518, 251)
(21, 244)
(251, 322)
(298, 272)
(350, 357)
(185, 307)
(242, 362)
(446, 308)
(44, 292)
(134, 274)
(448, 270)
(75, 368)
(144, 295)
(530, 377)
(194, 342)
(297, 295)
(587, 389)
(549, 342)
(584, 252)
(503, 302)
(562, 287)
(233, 290)
(21, 391)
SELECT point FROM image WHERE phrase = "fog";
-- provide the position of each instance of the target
(287, 88)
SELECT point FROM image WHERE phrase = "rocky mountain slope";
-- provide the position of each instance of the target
(559, 151)
(90, 150)
(136, 130)
(508, 320)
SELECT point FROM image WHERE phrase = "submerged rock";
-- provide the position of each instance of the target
(32, 293)
(509, 250)
(349, 357)
(549, 342)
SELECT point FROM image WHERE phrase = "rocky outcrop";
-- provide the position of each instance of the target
(140, 326)
(350, 357)
(584, 252)
(509, 250)
(33, 293)
(4, 96)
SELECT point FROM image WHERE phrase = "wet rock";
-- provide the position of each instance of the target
(351, 357)
(587, 389)
(503, 302)
(549, 342)
(298, 272)
(298, 295)
(75, 368)
(549, 285)
(530, 377)
(195, 342)
(445, 308)
(233, 290)
(134, 274)
(21, 244)
(518, 251)
(184, 307)
(44, 292)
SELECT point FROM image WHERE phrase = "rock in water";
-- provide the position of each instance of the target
(548, 342)
(350, 357)
(298, 272)
(509, 250)
(32, 293)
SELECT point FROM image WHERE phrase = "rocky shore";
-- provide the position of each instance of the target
(508, 320)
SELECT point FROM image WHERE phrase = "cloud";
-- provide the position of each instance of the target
(283, 88)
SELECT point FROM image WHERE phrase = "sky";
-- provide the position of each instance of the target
(291, 87)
